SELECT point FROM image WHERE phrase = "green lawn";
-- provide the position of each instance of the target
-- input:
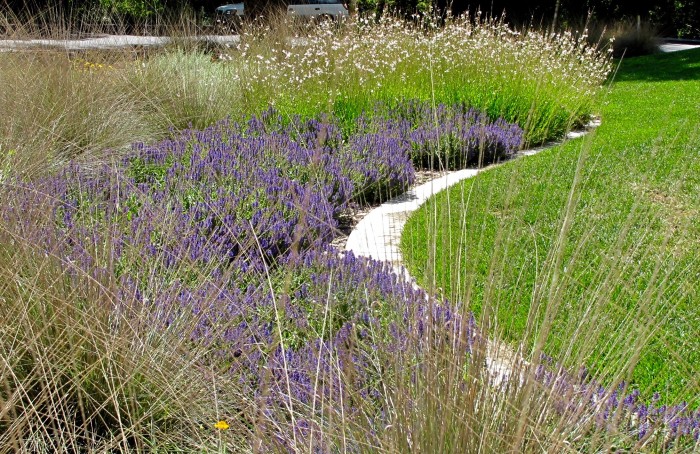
(620, 282)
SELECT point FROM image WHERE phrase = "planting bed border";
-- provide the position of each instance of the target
(378, 234)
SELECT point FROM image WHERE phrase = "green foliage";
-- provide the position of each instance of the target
(364, 6)
(138, 9)
(409, 6)
(677, 18)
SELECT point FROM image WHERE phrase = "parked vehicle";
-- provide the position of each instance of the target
(229, 17)
(318, 9)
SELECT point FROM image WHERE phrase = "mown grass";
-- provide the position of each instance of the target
(622, 205)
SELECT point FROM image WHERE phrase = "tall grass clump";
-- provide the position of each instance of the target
(195, 93)
(627, 38)
(60, 104)
(83, 367)
(545, 83)
(633, 40)
(55, 109)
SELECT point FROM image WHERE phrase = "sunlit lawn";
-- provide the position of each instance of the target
(626, 283)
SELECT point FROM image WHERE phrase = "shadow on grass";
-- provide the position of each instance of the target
(683, 65)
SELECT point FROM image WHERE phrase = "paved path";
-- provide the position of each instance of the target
(105, 42)
(378, 234)
(120, 41)
(675, 47)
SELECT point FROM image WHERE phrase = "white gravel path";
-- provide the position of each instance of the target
(106, 42)
(675, 47)
(119, 41)
(378, 236)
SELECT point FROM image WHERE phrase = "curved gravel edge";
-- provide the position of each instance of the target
(378, 236)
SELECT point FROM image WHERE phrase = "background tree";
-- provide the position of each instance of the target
(674, 18)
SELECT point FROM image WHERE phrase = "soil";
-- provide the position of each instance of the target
(354, 214)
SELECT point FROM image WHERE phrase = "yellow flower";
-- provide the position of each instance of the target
(221, 425)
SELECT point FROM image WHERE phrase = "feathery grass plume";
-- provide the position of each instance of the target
(55, 110)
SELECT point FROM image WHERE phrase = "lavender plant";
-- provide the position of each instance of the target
(446, 137)
(641, 422)
(247, 195)
(220, 239)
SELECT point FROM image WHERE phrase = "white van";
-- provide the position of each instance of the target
(317, 9)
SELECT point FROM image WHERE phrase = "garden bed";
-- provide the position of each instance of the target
(184, 292)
